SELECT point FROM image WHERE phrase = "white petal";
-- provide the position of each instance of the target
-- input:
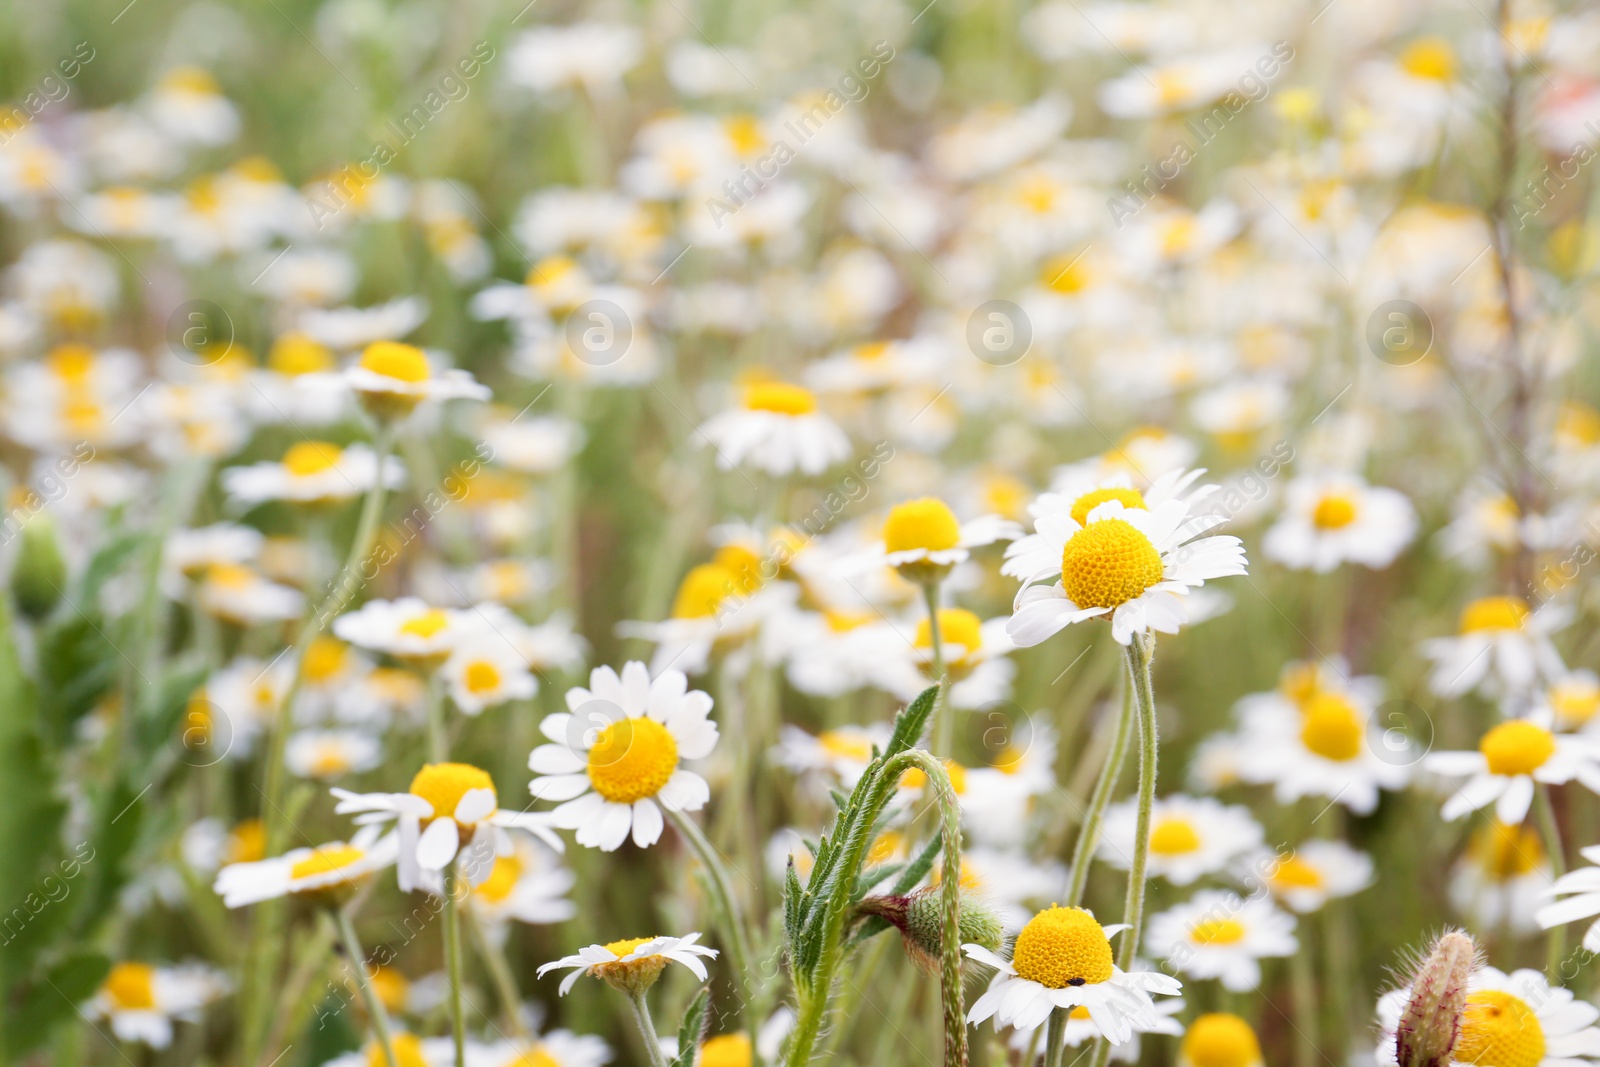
(438, 844)
(646, 823)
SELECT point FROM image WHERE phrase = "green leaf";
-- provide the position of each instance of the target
(693, 1028)
(77, 665)
(909, 724)
(54, 998)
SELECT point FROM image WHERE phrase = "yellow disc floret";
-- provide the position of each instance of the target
(1062, 947)
(1430, 58)
(630, 975)
(957, 626)
(1494, 613)
(1108, 563)
(1331, 727)
(1217, 932)
(131, 986)
(1173, 836)
(425, 625)
(632, 760)
(1220, 1040)
(1295, 873)
(481, 677)
(311, 457)
(1499, 1030)
(535, 1057)
(444, 784)
(779, 397)
(1128, 498)
(407, 1052)
(1504, 852)
(926, 524)
(1334, 511)
(503, 878)
(726, 1050)
(1517, 747)
(702, 591)
(406, 363)
(295, 354)
(326, 860)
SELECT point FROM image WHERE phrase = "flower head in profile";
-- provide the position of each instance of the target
(634, 964)
(450, 809)
(1502, 647)
(616, 755)
(776, 428)
(328, 871)
(1062, 959)
(923, 539)
(1112, 555)
(1511, 758)
(391, 378)
(1216, 934)
(311, 472)
(142, 1000)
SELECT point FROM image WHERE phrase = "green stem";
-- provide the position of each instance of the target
(356, 960)
(1304, 990)
(1104, 787)
(438, 735)
(1557, 945)
(944, 723)
(452, 961)
(647, 1030)
(726, 905)
(1055, 1040)
(500, 972)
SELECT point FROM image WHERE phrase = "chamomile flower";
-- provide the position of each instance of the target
(617, 755)
(330, 870)
(558, 1048)
(1515, 1020)
(1219, 1039)
(486, 673)
(842, 753)
(1131, 564)
(450, 809)
(239, 595)
(391, 378)
(1217, 934)
(634, 964)
(777, 429)
(1305, 878)
(923, 539)
(1062, 959)
(1582, 891)
(1080, 1029)
(311, 472)
(141, 1001)
(408, 628)
(1502, 877)
(1502, 647)
(330, 754)
(1189, 836)
(528, 884)
(1337, 518)
(190, 552)
(1573, 700)
(1511, 758)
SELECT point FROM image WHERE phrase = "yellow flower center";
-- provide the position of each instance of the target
(1517, 747)
(481, 677)
(503, 878)
(632, 759)
(330, 760)
(536, 1057)
(311, 457)
(1173, 836)
(1296, 873)
(1577, 425)
(852, 746)
(131, 986)
(916, 779)
(1494, 613)
(407, 363)
(326, 860)
(1066, 275)
(191, 80)
(1217, 932)
(230, 576)
(1331, 728)
(247, 842)
(743, 563)
(926, 524)
(1061, 947)
(427, 624)
(391, 987)
(1499, 1030)
(1505, 852)
(726, 1050)
(325, 659)
(1300, 682)
(1220, 1040)
(295, 354)
(407, 1052)
(957, 626)
(744, 131)
(1431, 58)
(444, 784)
(885, 847)
(1574, 702)
(1334, 511)
(702, 591)
(1108, 563)
(71, 363)
(780, 397)
(1129, 498)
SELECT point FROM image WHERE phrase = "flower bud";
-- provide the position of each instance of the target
(40, 573)
(1430, 1023)
(920, 919)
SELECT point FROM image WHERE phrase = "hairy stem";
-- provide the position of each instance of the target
(1104, 788)
(647, 1029)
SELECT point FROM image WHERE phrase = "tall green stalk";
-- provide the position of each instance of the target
(356, 960)
(1104, 788)
(452, 961)
(944, 723)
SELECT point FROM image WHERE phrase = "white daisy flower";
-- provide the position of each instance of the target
(1126, 562)
(1189, 836)
(311, 472)
(533, 446)
(632, 963)
(329, 754)
(1582, 891)
(1330, 519)
(558, 1048)
(1062, 959)
(617, 755)
(239, 595)
(141, 1001)
(191, 552)
(391, 378)
(777, 429)
(843, 753)
(1502, 878)
(527, 884)
(924, 539)
(409, 1051)
(482, 674)
(719, 605)
(326, 868)
(1573, 701)
(189, 106)
(409, 628)
(1305, 878)
(974, 652)
(450, 809)
(1510, 759)
(1516, 1019)
(1502, 647)
(1080, 1029)
(1217, 934)
(1220, 1039)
